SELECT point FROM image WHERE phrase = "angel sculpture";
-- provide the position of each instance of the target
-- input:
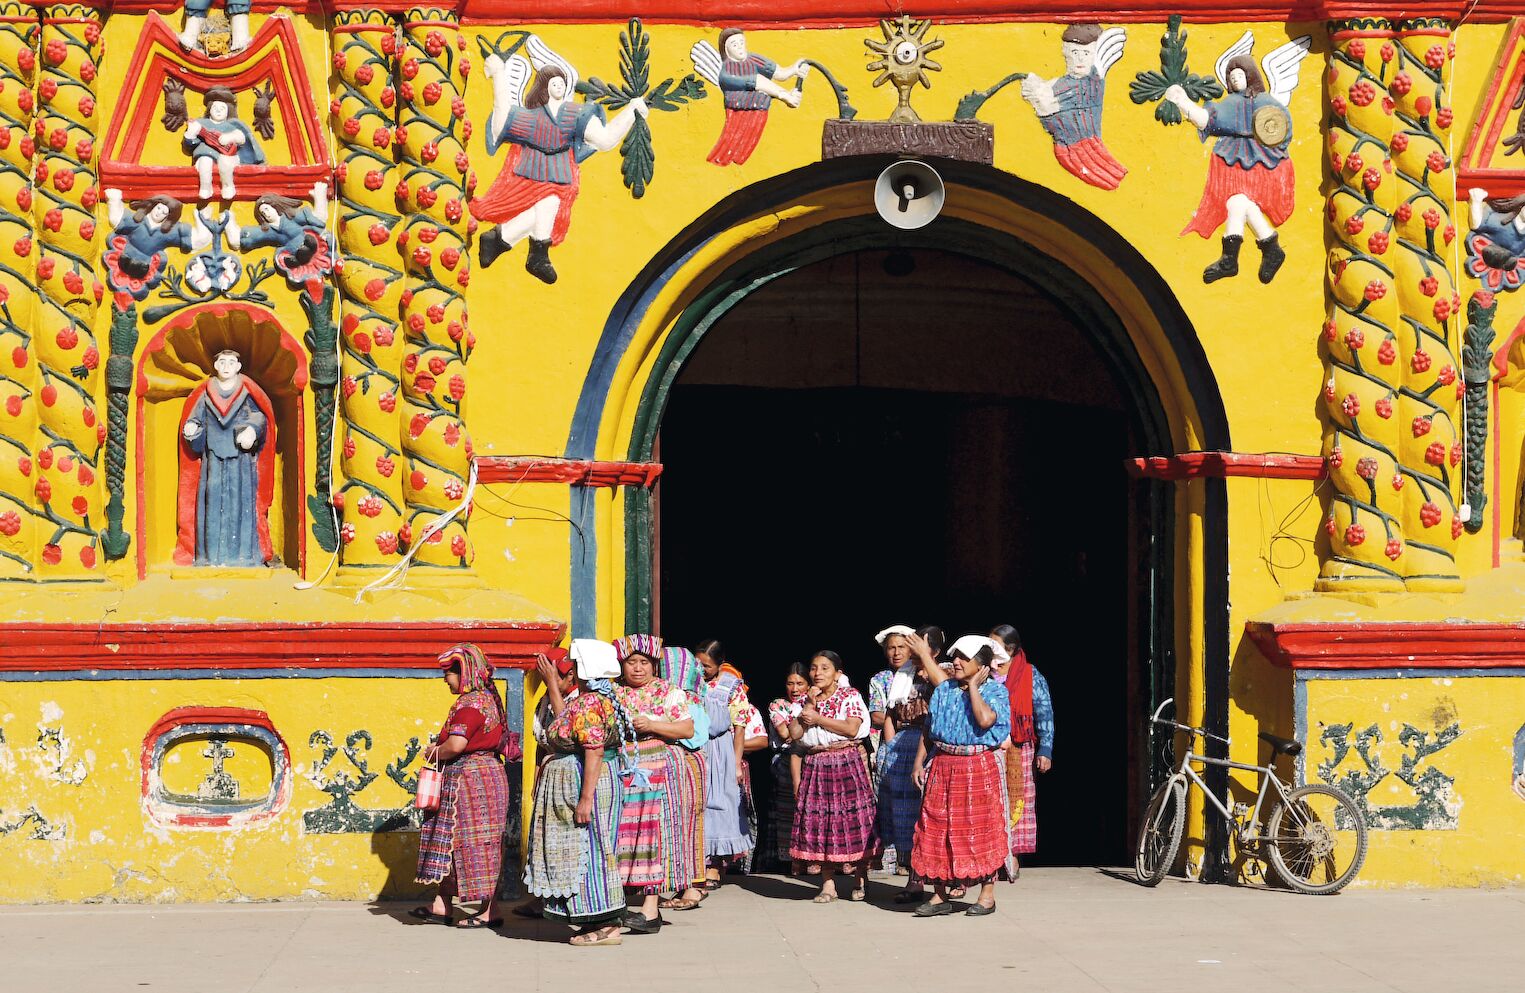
(137, 251)
(1069, 106)
(550, 135)
(1250, 179)
(1496, 245)
(220, 140)
(305, 250)
(749, 83)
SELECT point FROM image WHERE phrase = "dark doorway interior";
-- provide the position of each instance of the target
(858, 445)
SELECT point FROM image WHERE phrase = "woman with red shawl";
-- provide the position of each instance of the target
(1032, 740)
(460, 846)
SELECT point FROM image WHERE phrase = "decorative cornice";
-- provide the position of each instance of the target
(1222, 465)
(65, 647)
(1372, 645)
(574, 472)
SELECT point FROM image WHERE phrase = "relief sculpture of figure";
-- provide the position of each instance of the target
(550, 135)
(137, 251)
(196, 17)
(1069, 106)
(1250, 180)
(220, 140)
(749, 84)
(1496, 244)
(304, 249)
(226, 469)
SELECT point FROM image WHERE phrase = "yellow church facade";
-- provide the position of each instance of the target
(332, 335)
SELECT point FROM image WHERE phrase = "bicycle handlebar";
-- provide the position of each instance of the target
(1176, 725)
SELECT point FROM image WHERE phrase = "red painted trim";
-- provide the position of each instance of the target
(1390, 646)
(182, 716)
(257, 316)
(245, 645)
(574, 472)
(1476, 167)
(273, 55)
(1222, 465)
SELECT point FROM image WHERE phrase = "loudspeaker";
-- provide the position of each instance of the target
(909, 194)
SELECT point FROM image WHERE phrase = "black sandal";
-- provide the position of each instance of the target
(636, 923)
(427, 916)
(472, 923)
(980, 910)
(930, 909)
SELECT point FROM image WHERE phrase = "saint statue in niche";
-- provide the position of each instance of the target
(1250, 179)
(749, 84)
(551, 134)
(220, 140)
(226, 469)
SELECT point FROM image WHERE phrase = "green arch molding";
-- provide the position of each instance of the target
(1153, 501)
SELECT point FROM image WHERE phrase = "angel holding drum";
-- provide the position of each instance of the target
(749, 84)
(1250, 180)
(550, 134)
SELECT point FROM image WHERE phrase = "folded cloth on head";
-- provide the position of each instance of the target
(899, 629)
(595, 659)
(970, 644)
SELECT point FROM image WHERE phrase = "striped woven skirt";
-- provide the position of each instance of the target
(461, 845)
(572, 867)
(645, 821)
(899, 796)
(834, 813)
(775, 856)
(1022, 801)
(961, 837)
(684, 856)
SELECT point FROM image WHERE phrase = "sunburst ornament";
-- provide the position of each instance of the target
(903, 61)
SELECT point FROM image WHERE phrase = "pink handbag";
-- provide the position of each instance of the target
(429, 781)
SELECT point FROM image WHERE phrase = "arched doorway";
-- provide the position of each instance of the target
(1160, 398)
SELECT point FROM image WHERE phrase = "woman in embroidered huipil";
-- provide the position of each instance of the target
(834, 806)
(659, 713)
(460, 845)
(785, 766)
(961, 837)
(533, 195)
(687, 781)
(571, 863)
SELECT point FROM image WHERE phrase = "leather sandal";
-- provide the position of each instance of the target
(930, 909)
(980, 910)
(637, 923)
(428, 916)
(678, 903)
(587, 939)
(824, 898)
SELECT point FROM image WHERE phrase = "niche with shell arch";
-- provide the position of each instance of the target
(176, 360)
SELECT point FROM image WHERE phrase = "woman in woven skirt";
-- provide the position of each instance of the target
(961, 836)
(785, 766)
(686, 783)
(571, 864)
(834, 807)
(659, 713)
(460, 845)
(1032, 742)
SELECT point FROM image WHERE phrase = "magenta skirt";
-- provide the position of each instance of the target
(834, 814)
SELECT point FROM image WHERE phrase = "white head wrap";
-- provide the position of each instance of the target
(899, 629)
(595, 659)
(970, 644)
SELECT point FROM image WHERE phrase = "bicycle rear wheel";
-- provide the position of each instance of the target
(1317, 839)
(1159, 836)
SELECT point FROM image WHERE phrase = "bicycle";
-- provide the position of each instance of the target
(1305, 832)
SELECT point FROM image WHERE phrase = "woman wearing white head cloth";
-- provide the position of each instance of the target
(961, 837)
(571, 864)
(898, 699)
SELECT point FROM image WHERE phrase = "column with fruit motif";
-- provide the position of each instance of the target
(70, 428)
(436, 181)
(20, 512)
(1429, 420)
(371, 287)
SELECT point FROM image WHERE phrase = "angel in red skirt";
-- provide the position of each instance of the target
(1250, 180)
(550, 134)
(749, 84)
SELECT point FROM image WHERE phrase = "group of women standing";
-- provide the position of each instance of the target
(642, 795)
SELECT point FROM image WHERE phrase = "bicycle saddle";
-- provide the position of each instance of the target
(1285, 746)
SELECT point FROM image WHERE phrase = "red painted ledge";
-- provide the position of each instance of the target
(63, 647)
(1417, 645)
(1221, 465)
(541, 469)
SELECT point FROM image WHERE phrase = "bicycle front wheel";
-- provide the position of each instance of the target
(1159, 836)
(1316, 839)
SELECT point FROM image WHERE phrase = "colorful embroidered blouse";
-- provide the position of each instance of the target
(951, 719)
(475, 717)
(658, 700)
(588, 721)
(843, 705)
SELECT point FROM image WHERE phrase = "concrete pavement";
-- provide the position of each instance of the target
(1058, 930)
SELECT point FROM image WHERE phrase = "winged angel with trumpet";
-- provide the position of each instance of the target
(549, 134)
(1250, 178)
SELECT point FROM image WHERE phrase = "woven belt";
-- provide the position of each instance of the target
(962, 749)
